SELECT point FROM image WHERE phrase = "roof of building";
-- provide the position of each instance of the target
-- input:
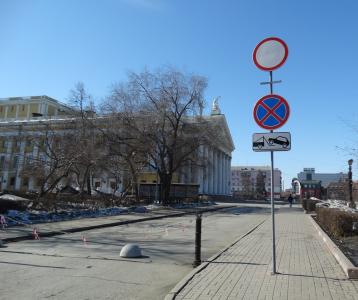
(17, 100)
(251, 168)
(310, 181)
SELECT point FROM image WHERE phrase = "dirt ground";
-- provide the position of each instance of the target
(349, 245)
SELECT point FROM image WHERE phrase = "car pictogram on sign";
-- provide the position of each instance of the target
(280, 140)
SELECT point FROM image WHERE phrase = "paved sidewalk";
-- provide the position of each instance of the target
(307, 269)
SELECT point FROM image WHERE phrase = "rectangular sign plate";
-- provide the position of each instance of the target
(271, 141)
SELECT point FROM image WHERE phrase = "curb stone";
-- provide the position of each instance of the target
(348, 268)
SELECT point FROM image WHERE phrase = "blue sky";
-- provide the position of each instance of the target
(48, 46)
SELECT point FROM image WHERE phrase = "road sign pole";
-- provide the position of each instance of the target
(272, 199)
(273, 217)
(268, 55)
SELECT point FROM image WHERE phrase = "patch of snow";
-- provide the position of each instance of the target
(15, 217)
(13, 197)
(141, 209)
(338, 204)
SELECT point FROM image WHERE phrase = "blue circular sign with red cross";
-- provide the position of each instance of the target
(271, 112)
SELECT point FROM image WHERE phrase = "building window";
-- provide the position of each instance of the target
(29, 159)
(15, 162)
(25, 181)
(12, 181)
(2, 162)
(42, 158)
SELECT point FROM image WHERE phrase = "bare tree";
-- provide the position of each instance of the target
(159, 113)
(260, 184)
(54, 161)
(84, 136)
(247, 188)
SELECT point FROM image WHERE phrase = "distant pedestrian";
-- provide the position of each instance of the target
(3, 222)
(290, 200)
(35, 234)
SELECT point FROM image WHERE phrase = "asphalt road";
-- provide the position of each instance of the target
(88, 266)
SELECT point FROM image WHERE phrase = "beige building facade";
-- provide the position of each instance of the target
(25, 108)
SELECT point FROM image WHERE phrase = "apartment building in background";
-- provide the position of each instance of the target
(309, 174)
(255, 181)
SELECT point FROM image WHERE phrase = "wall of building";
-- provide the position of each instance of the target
(245, 177)
(325, 178)
(21, 108)
(213, 176)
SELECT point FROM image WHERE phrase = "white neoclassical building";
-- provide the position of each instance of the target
(22, 118)
(214, 174)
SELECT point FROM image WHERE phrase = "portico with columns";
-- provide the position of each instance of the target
(214, 173)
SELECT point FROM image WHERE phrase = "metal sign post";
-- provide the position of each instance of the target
(272, 200)
(272, 111)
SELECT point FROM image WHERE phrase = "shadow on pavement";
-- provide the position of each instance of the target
(32, 265)
(235, 263)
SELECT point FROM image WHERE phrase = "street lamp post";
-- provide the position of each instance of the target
(350, 185)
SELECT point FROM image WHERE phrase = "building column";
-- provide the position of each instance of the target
(200, 171)
(188, 174)
(28, 111)
(224, 174)
(214, 175)
(20, 162)
(206, 170)
(223, 181)
(228, 175)
(211, 171)
(227, 172)
(216, 182)
(7, 163)
(220, 181)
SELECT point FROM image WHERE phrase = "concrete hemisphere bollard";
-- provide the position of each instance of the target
(131, 251)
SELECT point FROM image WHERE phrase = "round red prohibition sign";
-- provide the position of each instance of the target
(271, 112)
(270, 54)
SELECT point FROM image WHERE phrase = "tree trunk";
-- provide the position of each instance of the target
(166, 181)
(89, 189)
